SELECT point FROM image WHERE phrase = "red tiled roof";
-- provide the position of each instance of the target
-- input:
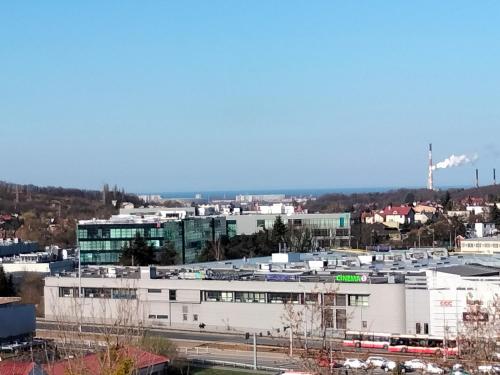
(397, 210)
(16, 368)
(93, 363)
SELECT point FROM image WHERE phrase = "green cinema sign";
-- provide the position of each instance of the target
(351, 278)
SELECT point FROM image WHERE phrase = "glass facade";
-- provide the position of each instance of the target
(328, 230)
(103, 243)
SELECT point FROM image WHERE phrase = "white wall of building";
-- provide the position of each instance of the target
(448, 295)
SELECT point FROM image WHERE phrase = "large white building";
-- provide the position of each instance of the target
(397, 292)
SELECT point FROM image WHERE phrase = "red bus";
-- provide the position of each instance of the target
(373, 340)
(422, 344)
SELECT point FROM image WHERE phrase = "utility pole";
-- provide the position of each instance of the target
(80, 287)
(255, 351)
(17, 195)
(331, 358)
(291, 341)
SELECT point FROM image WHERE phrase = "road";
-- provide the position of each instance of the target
(267, 359)
(174, 334)
(207, 338)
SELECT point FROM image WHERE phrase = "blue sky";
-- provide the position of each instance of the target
(207, 95)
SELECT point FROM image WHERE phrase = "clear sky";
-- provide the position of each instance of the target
(206, 95)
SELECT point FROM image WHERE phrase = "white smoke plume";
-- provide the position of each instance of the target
(455, 161)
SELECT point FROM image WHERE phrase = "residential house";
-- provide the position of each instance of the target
(399, 214)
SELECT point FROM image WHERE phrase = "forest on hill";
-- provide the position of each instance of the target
(360, 201)
(49, 215)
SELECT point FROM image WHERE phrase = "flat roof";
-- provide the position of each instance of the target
(9, 300)
(470, 270)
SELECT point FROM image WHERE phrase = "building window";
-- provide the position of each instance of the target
(195, 317)
(184, 317)
(341, 319)
(364, 324)
(250, 297)
(124, 294)
(418, 328)
(329, 299)
(212, 296)
(283, 298)
(154, 290)
(311, 298)
(340, 299)
(328, 318)
(172, 295)
(97, 293)
(152, 316)
(161, 316)
(68, 292)
(426, 328)
(358, 300)
(226, 296)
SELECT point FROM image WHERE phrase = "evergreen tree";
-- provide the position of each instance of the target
(6, 285)
(495, 215)
(279, 230)
(138, 253)
(446, 202)
(168, 256)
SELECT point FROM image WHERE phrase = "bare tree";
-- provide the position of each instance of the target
(480, 330)
(310, 323)
(117, 326)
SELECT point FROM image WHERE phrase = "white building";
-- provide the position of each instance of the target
(412, 292)
(478, 210)
(485, 245)
(451, 288)
(277, 209)
(484, 229)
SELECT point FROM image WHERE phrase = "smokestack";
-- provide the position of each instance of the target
(494, 176)
(430, 182)
(477, 177)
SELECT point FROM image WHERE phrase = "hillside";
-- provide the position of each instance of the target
(49, 214)
(357, 201)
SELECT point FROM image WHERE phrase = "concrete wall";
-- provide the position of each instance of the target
(16, 320)
(385, 312)
(417, 310)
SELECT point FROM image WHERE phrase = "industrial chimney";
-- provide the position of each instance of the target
(494, 176)
(430, 182)
(477, 177)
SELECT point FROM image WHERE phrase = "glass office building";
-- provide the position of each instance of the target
(102, 241)
(329, 230)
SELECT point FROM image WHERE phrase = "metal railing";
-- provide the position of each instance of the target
(214, 362)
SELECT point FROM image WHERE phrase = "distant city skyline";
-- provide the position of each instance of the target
(206, 96)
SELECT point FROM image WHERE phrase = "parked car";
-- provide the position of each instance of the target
(416, 364)
(4, 347)
(355, 363)
(388, 365)
(489, 369)
(375, 361)
(432, 368)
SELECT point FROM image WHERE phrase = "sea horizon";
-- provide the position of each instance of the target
(288, 192)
